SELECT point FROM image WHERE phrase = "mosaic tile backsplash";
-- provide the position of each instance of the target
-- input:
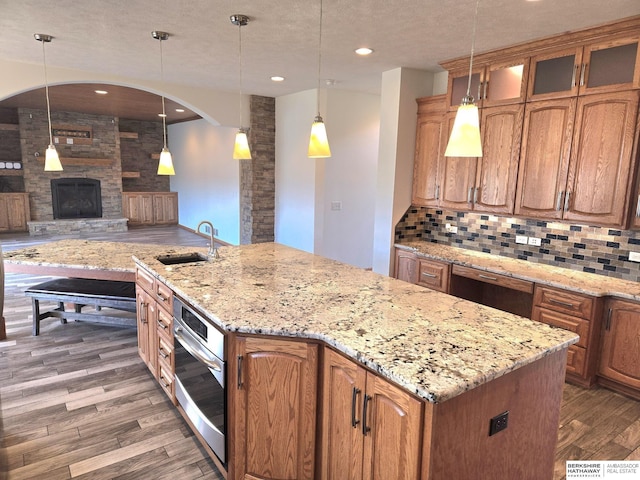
(600, 250)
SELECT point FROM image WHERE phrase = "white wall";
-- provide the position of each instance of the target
(207, 177)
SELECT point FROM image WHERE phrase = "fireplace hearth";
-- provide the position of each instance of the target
(76, 198)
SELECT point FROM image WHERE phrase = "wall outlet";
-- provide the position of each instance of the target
(634, 256)
(521, 239)
(336, 205)
(498, 423)
(535, 241)
(451, 228)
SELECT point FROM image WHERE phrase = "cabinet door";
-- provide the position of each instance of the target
(601, 159)
(544, 158)
(342, 441)
(5, 222)
(458, 84)
(406, 267)
(620, 355)
(498, 168)
(555, 74)
(425, 166)
(18, 212)
(147, 318)
(392, 445)
(434, 274)
(612, 65)
(457, 175)
(505, 83)
(165, 208)
(275, 405)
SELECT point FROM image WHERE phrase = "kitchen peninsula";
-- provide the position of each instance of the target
(434, 377)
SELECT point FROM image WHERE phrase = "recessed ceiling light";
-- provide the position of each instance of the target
(180, 110)
(364, 51)
(277, 78)
(162, 114)
(101, 92)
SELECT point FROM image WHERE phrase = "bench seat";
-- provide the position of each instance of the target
(114, 295)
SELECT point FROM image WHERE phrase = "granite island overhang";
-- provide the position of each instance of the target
(434, 345)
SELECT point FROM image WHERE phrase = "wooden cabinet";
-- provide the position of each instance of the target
(150, 208)
(580, 173)
(577, 313)
(500, 82)
(14, 212)
(274, 409)
(429, 150)
(155, 329)
(370, 428)
(433, 274)
(604, 66)
(620, 354)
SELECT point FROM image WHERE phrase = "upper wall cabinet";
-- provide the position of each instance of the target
(495, 84)
(612, 65)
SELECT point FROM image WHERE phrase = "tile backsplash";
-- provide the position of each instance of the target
(599, 250)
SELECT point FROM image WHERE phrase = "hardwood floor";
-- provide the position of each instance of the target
(77, 401)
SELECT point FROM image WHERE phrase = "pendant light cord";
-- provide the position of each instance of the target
(46, 90)
(319, 55)
(473, 46)
(164, 114)
(240, 69)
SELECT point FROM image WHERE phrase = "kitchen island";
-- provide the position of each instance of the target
(464, 363)
(426, 382)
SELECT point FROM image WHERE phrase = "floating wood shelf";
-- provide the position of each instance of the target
(9, 126)
(11, 173)
(130, 174)
(155, 156)
(91, 162)
(128, 134)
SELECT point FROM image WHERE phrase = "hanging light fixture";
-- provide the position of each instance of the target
(241, 150)
(465, 135)
(318, 141)
(51, 159)
(165, 165)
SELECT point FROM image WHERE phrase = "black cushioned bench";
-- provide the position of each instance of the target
(81, 292)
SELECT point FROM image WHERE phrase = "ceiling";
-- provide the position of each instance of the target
(281, 39)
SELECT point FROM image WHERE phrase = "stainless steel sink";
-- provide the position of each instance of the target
(182, 258)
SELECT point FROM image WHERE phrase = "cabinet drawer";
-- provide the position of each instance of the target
(145, 280)
(563, 301)
(166, 354)
(576, 360)
(165, 324)
(434, 275)
(166, 382)
(493, 278)
(164, 295)
(562, 320)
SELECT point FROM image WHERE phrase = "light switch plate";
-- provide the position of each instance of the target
(535, 241)
(521, 239)
(634, 256)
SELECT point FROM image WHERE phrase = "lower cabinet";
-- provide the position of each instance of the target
(273, 409)
(147, 311)
(14, 212)
(370, 428)
(150, 208)
(425, 272)
(620, 354)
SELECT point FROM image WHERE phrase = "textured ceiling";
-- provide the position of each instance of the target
(282, 36)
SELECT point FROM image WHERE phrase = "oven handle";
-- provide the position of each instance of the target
(195, 351)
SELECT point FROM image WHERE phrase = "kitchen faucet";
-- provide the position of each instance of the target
(213, 250)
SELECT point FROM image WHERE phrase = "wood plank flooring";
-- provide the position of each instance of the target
(77, 402)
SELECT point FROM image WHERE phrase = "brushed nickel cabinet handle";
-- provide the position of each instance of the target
(239, 372)
(566, 201)
(561, 303)
(486, 86)
(487, 277)
(164, 384)
(638, 207)
(365, 429)
(143, 312)
(354, 398)
(162, 298)
(573, 77)
(607, 326)
(429, 275)
(438, 194)
(475, 195)
(582, 74)
(162, 353)
(470, 195)
(162, 325)
(559, 200)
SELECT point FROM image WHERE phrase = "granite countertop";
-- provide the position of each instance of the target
(432, 344)
(582, 282)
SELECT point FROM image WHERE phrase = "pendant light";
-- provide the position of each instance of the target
(318, 141)
(241, 150)
(465, 136)
(165, 165)
(51, 159)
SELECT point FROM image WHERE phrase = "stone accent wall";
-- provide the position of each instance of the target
(136, 156)
(257, 176)
(599, 250)
(34, 137)
(10, 150)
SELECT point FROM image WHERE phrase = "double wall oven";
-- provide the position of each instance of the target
(200, 374)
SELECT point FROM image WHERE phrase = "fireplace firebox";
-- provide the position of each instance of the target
(76, 198)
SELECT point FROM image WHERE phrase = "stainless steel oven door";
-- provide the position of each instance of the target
(199, 381)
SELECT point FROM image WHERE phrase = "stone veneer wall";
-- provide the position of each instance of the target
(34, 137)
(257, 176)
(136, 153)
(599, 250)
